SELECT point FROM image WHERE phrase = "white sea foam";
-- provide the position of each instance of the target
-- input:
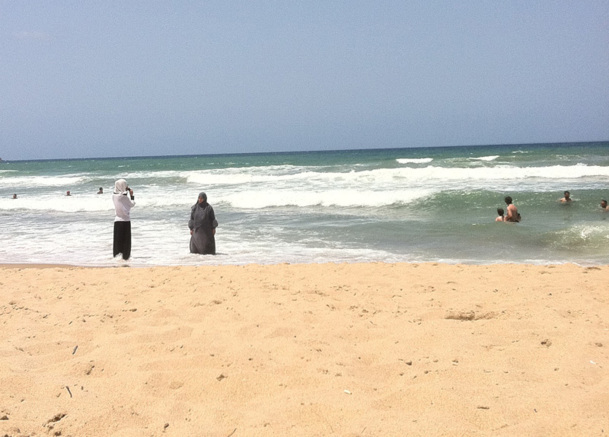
(591, 236)
(343, 198)
(263, 187)
(60, 203)
(485, 158)
(159, 175)
(41, 181)
(414, 161)
(503, 172)
(246, 176)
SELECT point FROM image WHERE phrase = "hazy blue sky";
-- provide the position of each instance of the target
(111, 78)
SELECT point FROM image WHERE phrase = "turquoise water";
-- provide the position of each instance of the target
(412, 205)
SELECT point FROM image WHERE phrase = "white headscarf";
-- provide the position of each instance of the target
(120, 187)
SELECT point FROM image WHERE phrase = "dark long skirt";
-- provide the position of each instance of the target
(122, 239)
(203, 242)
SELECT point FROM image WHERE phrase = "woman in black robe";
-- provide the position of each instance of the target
(202, 226)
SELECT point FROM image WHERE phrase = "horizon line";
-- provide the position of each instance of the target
(288, 152)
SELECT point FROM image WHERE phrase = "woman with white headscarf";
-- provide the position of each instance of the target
(202, 226)
(123, 199)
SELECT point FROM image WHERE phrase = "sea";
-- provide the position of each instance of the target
(432, 204)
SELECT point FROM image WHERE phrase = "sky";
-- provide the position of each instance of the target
(84, 79)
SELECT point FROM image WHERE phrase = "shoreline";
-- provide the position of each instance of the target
(305, 349)
(40, 265)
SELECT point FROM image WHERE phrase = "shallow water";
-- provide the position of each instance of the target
(427, 204)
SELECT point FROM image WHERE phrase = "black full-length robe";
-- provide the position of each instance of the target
(202, 224)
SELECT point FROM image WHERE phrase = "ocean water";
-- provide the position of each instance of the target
(389, 205)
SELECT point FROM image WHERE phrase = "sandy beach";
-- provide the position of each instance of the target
(305, 350)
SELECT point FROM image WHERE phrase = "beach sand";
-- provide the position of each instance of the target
(305, 350)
